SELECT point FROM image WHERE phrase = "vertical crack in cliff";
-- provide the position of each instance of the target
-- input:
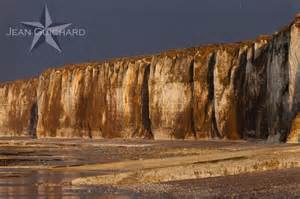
(238, 82)
(33, 120)
(145, 102)
(261, 124)
(211, 94)
(192, 67)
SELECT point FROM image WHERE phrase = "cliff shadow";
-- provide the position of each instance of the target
(33, 120)
(145, 103)
(192, 84)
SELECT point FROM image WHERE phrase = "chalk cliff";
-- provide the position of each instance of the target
(231, 91)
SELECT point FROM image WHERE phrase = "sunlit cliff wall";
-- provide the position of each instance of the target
(230, 91)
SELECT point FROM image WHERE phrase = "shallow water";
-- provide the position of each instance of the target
(27, 183)
(20, 179)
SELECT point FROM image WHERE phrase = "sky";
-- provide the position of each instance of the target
(118, 28)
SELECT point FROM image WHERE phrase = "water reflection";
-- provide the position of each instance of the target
(16, 183)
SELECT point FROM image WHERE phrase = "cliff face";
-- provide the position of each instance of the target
(18, 108)
(97, 100)
(233, 91)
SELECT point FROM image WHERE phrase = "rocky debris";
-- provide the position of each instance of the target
(227, 91)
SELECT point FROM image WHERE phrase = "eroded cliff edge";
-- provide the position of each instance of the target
(230, 91)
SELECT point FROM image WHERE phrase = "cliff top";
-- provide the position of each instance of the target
(30, 80)
(171, 53)
(191, 51)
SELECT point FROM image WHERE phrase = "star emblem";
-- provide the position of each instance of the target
(45, 31)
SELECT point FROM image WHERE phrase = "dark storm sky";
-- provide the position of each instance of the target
(133, 27)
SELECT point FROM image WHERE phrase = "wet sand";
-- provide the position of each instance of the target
(46, 169)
